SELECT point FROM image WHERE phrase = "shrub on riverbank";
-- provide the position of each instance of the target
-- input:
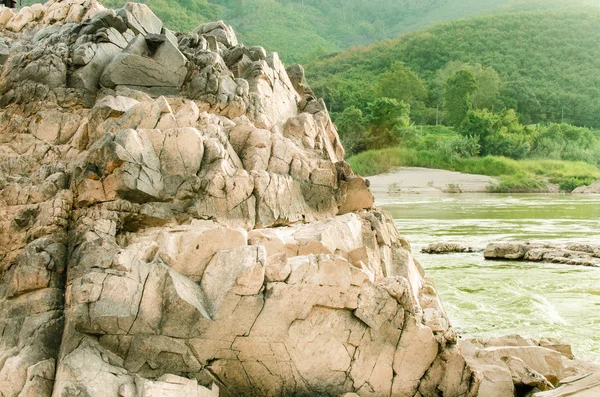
(520, 184)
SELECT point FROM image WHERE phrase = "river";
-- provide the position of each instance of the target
(486, 298)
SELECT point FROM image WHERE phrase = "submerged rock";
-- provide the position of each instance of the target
(446, 248)
(572, 254)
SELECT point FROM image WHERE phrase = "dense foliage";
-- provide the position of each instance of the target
(539, 63)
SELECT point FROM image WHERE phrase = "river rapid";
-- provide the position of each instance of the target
(486, 298)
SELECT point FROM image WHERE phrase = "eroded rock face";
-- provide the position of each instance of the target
(177, 219)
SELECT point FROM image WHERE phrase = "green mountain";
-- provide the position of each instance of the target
(304, 29)
(544, 54)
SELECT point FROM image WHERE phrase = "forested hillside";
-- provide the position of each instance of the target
(303, 29)
(300, 30)
(544, 64)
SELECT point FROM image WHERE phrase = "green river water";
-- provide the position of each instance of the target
(485, 298)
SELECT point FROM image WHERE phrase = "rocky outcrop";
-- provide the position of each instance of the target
(594, 188)
(445, 247)
(516, 366)
(177, 220)
(570, 254)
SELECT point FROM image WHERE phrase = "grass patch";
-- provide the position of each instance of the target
(568, 184)
(515, 175)
(373, 162)
(516, 184)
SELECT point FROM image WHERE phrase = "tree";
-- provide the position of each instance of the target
(384, 117)
(486, 95)
(457, 91)
(351, 127)
(498, 134)
(517, 94)
(402, 83)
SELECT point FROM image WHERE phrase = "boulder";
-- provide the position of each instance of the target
(223, 33)
(141, 19)
(25, 15)
(571, 254)
(144, 63)
(594, 188)
(6, 14)
(355, 195)
(445, 248)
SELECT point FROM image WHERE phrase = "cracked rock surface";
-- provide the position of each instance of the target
(177, 220)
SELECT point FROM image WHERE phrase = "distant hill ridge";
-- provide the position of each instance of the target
(545, 53)
(303, 29)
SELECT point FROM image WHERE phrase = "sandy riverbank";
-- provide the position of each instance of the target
(425, 180)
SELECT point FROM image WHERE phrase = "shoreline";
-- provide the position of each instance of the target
(417, 180)
(433, 181)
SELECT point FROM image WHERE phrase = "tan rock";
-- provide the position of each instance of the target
(494, 379)
(189, 249)
(173, 386)
(544, 361)
(22, 18)
(415, 354)
(277, 268)
(355, 195)
(524, 375)
(6, 14)
(241, 270)
(581, 386)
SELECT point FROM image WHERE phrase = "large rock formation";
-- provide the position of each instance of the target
(177, 220)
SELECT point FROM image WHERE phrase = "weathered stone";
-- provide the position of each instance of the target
(138, 66)
(222, 32)
(189, 249)
(594, 188)
(416, 352)
(494, 379)
(173, 386)
(506, 250)
(583, 255)
(544, 361)
(6, 14)
(22, 18)
(355, 195)
(241, 270)
(524, 375)
(141, 19)
(445, 248)
(583, 385)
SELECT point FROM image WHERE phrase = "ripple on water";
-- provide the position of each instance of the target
(485, 298)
